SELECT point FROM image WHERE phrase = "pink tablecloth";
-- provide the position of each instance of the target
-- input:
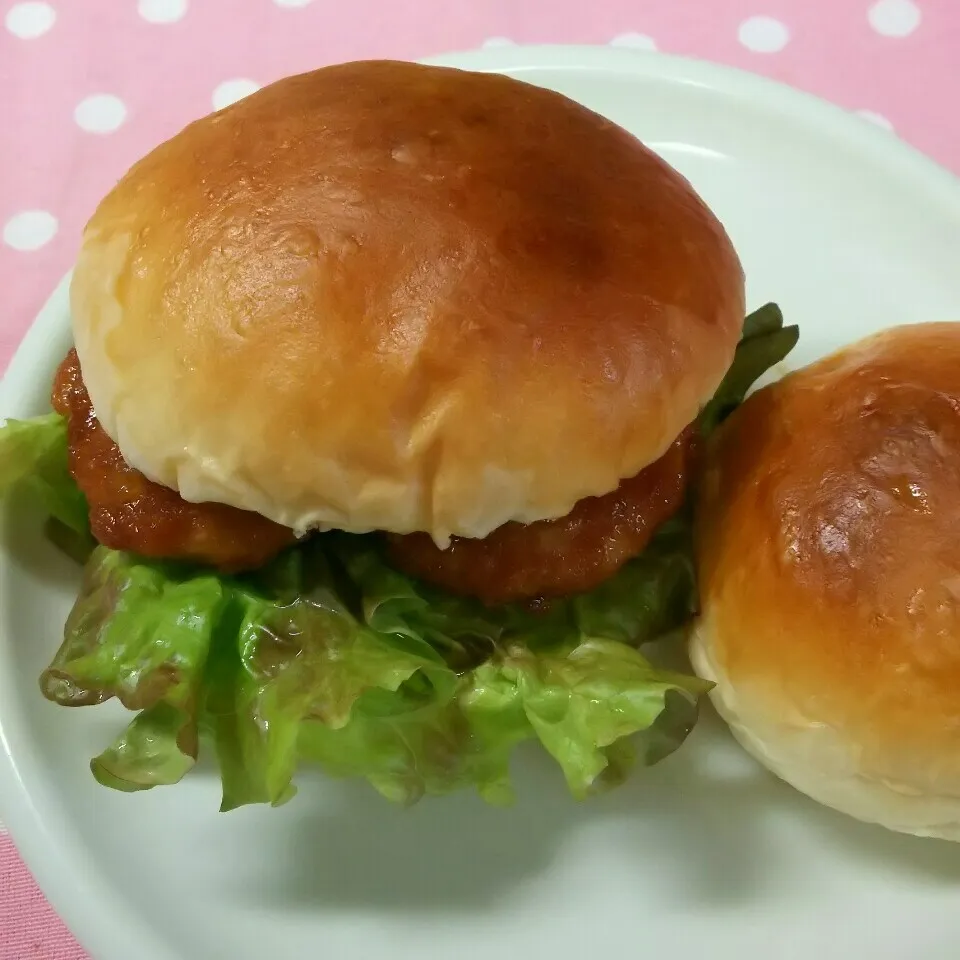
(89, 85)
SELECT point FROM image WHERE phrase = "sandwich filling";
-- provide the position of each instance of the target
(375, 656)
(552, 558)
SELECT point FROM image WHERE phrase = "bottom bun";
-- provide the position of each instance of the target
(821, 762)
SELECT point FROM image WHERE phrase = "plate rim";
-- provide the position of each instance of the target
(818, 111)
(83, 900)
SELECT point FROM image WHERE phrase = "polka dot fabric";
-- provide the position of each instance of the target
(89, 87)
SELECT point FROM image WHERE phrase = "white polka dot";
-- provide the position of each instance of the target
(100, 113)
(30, 20)
(498, 42)
(292, 3)
(876, 118)
(230, 91)
(636, 41)
(894, 18)
(162, 11)
(763, 34)
(30, 230)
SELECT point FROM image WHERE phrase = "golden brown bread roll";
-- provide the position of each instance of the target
(828, 545)
(407, 298)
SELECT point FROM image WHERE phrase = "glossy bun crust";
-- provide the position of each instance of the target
(391, 296)
(829, 562)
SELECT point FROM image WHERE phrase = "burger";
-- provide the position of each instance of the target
(828, 549)
(388, 388)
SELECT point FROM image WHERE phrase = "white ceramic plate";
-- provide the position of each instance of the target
(704, 855)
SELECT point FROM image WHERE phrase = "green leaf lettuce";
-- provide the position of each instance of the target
(418, 697)
(33, 458)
